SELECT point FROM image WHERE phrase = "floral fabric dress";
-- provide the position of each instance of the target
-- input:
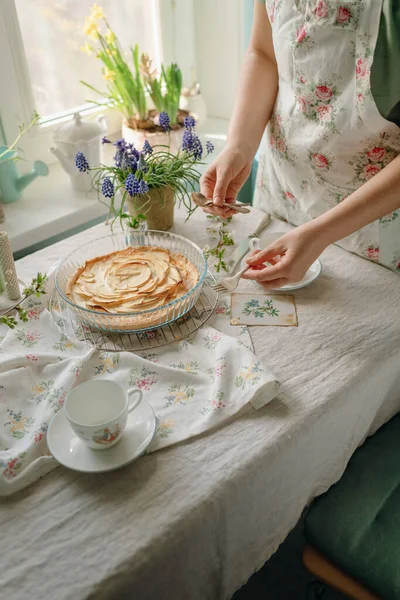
(326, 136)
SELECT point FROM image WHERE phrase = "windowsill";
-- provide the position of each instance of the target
(49, 206)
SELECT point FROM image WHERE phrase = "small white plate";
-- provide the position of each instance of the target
(312, 274)
(71, 452)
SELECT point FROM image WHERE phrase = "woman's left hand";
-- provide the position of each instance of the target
(291, 256)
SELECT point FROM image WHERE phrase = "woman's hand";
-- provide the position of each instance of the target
(224, 178)
(291, 256)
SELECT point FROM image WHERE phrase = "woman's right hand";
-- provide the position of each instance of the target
(224, 178)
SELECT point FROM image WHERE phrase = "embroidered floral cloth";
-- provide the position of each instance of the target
(192, 385)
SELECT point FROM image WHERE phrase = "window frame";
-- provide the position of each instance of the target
(177, 44)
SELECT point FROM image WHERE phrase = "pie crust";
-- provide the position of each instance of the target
(134, 280)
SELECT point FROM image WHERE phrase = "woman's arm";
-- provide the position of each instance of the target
(257, 87)
(255, 98)
(300, 247)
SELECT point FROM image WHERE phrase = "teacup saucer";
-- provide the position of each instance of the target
(71, 452)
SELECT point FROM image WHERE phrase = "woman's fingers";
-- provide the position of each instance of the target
(207, 182)
(277, 271)
(221, 186)
(270, 254)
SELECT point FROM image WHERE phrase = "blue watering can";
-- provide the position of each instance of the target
(11, 182)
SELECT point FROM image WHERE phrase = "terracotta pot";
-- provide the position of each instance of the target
(138, 136)
(158, 206)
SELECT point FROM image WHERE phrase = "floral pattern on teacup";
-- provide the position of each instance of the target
(107, 435)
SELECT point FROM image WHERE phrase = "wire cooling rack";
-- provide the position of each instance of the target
(72, 327)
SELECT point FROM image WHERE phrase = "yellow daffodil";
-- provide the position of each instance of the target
(96, 13)
(87, 49)
(109, 36)
(110, 52)
(109, 75)
(91, 29)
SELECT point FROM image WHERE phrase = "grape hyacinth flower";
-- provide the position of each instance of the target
(164, 121)
(104, 140)
(187, 140)
(133, 153)
(189, 122)
(81, 163)
(197, 148)
(209, 147)
(142, 164)
(129, 163)
(107, 188)
(120, 144)
(119, 155)
(192, 144)
(143, 187)
(147, 149)
(132, 185)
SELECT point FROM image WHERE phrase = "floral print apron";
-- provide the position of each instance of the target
(326, 136)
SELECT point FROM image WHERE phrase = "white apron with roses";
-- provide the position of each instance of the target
(326, 136)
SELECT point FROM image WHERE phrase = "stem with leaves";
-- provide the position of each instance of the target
(225, 239)
(35, 289)
(23, 128)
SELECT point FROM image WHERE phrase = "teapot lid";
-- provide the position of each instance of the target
(77, 130)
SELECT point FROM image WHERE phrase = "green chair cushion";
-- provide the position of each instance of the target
(357, 522)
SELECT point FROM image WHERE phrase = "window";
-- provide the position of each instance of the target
(41, 59)
(52, 34)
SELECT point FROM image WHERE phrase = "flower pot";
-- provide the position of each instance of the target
(157, 205)
(137, 137)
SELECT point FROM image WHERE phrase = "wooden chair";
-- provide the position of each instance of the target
(326, 572)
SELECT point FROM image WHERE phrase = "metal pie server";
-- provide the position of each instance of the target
(244, 245)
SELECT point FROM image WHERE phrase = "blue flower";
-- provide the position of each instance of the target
(107, 188)
(134, 154)
(132, 185)
(147, 149)
(129, 163)
(197, 150)
(104, 140)
(120, 144)
(192, 144)
(209, 147)
(164, 120)
(187, 140)
(143, 187)
(81, 163)
(119, 155)
(189, 122)
(142, 164)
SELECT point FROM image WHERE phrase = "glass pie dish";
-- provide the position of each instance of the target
(142, 320)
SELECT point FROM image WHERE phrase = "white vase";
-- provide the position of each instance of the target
(137, 137)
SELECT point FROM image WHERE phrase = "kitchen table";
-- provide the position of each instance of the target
(195, 520)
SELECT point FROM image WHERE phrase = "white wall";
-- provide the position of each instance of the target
(218, 32)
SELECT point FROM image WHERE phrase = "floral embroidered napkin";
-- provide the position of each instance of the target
(192, 385)
(261, 309)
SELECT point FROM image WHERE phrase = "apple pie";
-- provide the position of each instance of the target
(132, 280)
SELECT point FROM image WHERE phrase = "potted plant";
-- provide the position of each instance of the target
(149, 180)
(127, 86)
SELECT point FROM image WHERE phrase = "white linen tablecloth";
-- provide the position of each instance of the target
(193, 385)
(197, 519)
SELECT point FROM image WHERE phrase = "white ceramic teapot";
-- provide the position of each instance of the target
(79, 136)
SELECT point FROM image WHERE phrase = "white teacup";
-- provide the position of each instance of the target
(98, 411)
